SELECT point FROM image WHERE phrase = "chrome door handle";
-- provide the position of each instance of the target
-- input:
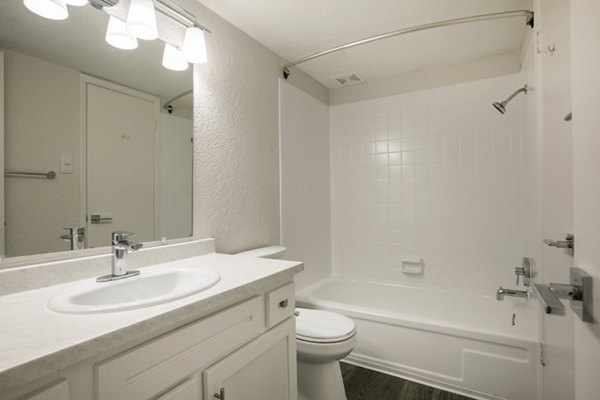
(99, 219)
(568, 243)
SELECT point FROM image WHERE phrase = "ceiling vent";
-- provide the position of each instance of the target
(347, 80)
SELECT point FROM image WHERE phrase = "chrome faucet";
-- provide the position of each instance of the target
(121, 246)
(75, 237)
(510, 292)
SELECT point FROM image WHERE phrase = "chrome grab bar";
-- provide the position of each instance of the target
(47, 175)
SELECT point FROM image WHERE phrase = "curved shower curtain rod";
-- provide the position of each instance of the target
(484, 17)
(169, 104)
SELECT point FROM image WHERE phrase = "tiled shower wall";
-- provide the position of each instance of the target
(437, 174)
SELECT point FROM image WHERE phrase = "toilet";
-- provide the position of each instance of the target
(322, 339)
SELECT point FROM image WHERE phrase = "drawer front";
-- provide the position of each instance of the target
(280, 304)
(151, 368)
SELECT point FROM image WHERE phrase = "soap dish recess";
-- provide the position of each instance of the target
(412, 265)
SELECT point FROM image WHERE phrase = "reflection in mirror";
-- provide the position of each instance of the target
(96, 116)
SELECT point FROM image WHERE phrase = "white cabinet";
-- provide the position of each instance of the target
(188, 390)
(150, 369)
(263, 369)
(248, 350)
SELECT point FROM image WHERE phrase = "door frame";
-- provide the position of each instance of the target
(2, 233)
(86, 80)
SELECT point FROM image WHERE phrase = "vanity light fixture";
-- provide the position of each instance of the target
(194, 45)
(141, 20)
(141, 24)
(51, 9)
(118, 36)
(173, 59)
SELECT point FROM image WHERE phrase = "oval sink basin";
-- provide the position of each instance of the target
(151, 287)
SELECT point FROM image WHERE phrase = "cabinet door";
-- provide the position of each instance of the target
(263, 369)
(188, 390)
(151, 368)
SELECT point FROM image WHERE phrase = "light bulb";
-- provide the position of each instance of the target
(51, 9)
(76, 3)
(194, 46)
(141, 20)
(117, 35)
(173, 59)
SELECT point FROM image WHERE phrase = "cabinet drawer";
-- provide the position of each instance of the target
(154, 367)
(280, 304)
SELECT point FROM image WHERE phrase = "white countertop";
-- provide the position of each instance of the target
(35, 341)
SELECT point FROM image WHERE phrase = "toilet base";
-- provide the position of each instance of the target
(320, 381)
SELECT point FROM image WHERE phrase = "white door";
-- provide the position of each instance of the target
(585, 59)
(121, 161)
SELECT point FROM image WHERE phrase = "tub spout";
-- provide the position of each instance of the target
(510, 292)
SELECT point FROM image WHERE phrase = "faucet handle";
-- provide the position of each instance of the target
(525, 271)
(121, 236)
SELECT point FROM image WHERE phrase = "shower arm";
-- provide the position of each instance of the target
(484, 17)
(512, 96)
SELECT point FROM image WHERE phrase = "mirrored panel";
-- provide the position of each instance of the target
(90, 144)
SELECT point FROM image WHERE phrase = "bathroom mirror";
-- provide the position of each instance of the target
(90, 120)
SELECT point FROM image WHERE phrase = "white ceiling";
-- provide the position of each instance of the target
(297, 28)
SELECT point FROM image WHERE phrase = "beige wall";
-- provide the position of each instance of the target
(236, 138)
(42, 123)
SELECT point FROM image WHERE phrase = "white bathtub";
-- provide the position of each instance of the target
(455, 341)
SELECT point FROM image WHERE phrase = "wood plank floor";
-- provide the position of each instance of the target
(365, 384)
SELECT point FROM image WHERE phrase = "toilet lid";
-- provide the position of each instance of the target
(322, 326)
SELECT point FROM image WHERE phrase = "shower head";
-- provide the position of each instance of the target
(501, 106)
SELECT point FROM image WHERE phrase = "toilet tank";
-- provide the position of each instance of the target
(264, 252)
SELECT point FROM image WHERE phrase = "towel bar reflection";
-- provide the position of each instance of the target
(47, 175)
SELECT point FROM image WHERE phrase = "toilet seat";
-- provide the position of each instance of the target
(317, 326)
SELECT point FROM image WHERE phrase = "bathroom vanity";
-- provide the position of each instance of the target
(234, 340)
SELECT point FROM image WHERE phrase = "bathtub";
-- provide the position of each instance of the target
(463, 343)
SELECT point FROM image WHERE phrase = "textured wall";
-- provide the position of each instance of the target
(236, 152)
